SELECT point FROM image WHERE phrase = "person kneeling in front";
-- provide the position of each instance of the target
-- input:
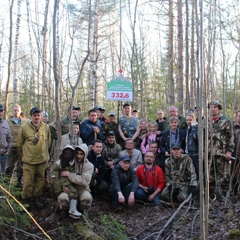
(151, 180)
(124, 183)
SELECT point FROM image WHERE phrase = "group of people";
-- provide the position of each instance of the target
(129, 161)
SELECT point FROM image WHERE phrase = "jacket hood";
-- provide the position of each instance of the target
(84, 148)
(68, 147)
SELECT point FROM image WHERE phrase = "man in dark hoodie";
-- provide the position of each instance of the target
(124, 183)
(111, 154)
(98, 185)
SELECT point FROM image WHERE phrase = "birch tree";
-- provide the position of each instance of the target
(9, 58)
(15, 57)
(180, 56)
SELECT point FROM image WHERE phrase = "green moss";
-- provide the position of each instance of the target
(234, 234)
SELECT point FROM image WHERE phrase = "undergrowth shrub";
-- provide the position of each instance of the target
(7, 218)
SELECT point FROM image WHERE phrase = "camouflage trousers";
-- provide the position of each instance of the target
(220, 173)
(220, 170)
(179, 192)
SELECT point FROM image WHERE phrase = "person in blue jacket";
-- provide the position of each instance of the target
(91, 128)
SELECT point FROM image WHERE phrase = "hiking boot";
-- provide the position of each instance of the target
(38, 204)
(27, 203)
(63, 213)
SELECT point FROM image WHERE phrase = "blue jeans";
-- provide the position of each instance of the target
(114, 195)
(3, 161)
(142, 196)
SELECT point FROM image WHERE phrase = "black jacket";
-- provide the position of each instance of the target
(99, 163)
(121, 178)
(192, 140)
(165, 141)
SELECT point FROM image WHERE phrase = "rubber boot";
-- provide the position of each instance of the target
(73, 212)
(39, 205)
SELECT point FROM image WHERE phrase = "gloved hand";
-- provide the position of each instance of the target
(192, 190)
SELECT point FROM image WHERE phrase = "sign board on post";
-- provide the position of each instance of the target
(120, 89)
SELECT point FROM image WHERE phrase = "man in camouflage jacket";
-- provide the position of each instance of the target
(180, 175)
(221, 146)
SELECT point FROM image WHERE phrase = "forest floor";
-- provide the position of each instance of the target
(142, 221)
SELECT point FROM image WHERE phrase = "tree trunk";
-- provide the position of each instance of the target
(170, 54)
(9, 60)
(56, 74)
(93, 64)
(44, 33)
(192, 63)
(180, 57)
(188, 106)
(15, 58)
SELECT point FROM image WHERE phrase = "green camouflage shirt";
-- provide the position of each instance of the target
(222, 136)
(180, 171)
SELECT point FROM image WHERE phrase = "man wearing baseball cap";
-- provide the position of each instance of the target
(102, 118)
(111, 125)
(111, 154)
(34, 141)
(180, 175)
(5, 141)
(124, 183)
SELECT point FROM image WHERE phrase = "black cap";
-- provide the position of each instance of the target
(1, 107)
(35, 110)
(176, 145)
(95, 108)
(101, 108)
(125, 158)
(111, 133)
(125, 105)
(76, 108)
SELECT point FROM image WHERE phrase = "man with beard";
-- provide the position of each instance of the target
(34, 141)
(151, 180)
(111, 154)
